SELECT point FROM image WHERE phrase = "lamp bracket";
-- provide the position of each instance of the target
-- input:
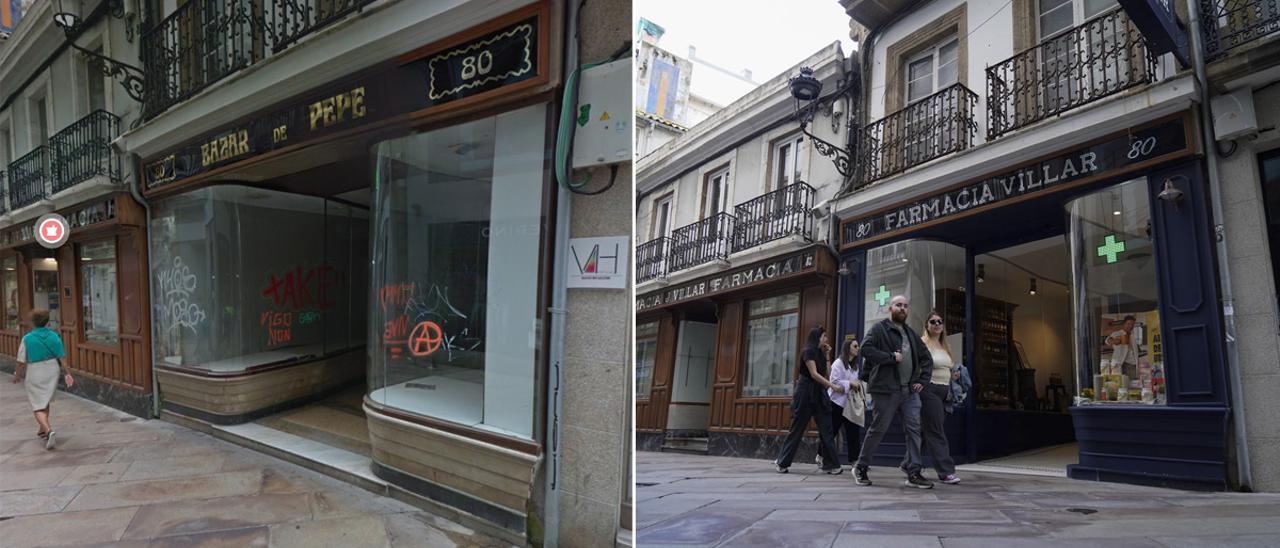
(132, 78)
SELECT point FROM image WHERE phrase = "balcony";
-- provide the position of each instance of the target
(651, 259)
(701, 242)
(201, 43)
(930, 128)
(82, 151)
(4, 179)
(1100, 58)
(773, 216)
(29, 178)
(1238, 22)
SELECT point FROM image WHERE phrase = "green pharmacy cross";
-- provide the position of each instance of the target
(882, 295)
(1111, 249)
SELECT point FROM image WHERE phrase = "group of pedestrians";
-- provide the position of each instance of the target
(910, 376)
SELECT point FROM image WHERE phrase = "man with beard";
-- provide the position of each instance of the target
(897, 365)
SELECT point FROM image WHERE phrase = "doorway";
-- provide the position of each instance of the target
(44, 274)
(689, 413)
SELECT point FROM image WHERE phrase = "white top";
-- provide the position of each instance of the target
(942, 364)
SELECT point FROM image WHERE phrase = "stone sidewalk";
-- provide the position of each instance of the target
(119, 481)
(685, 500)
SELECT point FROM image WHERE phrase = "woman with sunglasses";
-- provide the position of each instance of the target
(843, 372)
(933, 400)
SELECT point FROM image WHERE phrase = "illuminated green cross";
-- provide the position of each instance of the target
(1111, 248)
(882, 295)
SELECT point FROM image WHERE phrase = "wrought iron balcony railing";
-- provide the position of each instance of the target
(1102, 57)
(29, 178)
(930, 128)
(203, 42)
(701, 242)
(1228, 24)
(778, 214)
(651, 259)
(83, 150)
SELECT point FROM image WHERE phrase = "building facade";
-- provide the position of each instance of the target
(735, 268)
(61, 110)
(1035, 173)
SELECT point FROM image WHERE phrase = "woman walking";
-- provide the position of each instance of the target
(933, 400)
(39, 366)
(843, 372)
(810, 400)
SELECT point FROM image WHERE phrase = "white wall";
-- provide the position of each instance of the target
(695, 359)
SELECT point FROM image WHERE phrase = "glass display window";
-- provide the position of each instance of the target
(9, 290)
(646, 356)
(772, 339)
(1118, 353)
(245, 277)
(99, 302)
(929, 274)
(455, 329)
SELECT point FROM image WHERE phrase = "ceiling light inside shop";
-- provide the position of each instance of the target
(1116, 212)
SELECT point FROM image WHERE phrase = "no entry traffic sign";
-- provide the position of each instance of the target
(52, 230)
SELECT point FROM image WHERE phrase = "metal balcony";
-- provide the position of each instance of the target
(930, 128)
(1104, 56)
(702, 242)
(651, 259)
(773, 216)
(82, 150)
(203, 42)
(1229, 24)
(29, 178)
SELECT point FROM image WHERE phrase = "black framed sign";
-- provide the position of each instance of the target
(491, 61)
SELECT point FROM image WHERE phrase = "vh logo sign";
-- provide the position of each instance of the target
(598, 262)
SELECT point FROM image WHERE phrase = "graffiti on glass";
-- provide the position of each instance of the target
(423, 323)
(177, 310)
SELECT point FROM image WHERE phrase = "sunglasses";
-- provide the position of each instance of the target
(935, 321)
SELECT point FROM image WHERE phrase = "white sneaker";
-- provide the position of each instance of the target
(48, 440)
(818, 459)
(950, 479)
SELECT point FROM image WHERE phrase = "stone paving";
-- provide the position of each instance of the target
(685, 500)
(118, 481)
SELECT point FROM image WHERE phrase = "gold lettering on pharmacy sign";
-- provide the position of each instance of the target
(733, 279)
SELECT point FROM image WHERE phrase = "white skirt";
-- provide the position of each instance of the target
(41, 382)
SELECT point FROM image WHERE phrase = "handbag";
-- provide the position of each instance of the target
(855, 404)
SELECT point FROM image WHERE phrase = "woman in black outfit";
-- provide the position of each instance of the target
(809, 400)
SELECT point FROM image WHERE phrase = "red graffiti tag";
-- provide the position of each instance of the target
(425, 339)
(279, 326)
(300, 288)
(394, 296)
(395, 330)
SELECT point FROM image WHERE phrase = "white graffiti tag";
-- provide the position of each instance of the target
(177, 310)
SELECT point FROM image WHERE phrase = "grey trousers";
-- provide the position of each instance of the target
(903, 402)
(933, 401)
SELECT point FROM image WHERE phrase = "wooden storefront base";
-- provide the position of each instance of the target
(488, 481)
(244, 397)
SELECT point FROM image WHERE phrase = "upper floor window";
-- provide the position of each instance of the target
(38, 119)
(5, 154)
(1059, 15)
(95, 85)
(933, 69)
(785, 161)
(661, 224)
(715, 193)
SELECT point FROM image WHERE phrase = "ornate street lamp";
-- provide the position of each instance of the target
(807, 90)
(68, 18)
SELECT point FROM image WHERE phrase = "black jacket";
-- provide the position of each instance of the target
(880, 369)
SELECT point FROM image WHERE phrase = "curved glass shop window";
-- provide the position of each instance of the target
(244, 277)
(456, 253)
(929, 274)
(1118, 354)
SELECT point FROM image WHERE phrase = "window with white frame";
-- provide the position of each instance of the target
(715, 193)
(38, 120)
(95, 89)
(785, 161)
(1062, 51)
(6, 141)
(662, 212)
(931, 128)
(933, 69)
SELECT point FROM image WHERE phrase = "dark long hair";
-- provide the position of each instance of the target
(814, 341)
(846, 355)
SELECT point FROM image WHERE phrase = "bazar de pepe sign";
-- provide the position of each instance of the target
(733, 279)
(1111, 155)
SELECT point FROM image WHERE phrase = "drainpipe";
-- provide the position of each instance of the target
(137, 196)
(1224, 269)
(558, 310)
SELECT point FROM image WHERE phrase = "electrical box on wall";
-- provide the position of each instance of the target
(604, 117)
(1233, 115)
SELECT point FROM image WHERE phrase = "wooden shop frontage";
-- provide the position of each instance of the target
(95, 288)
(716, 355)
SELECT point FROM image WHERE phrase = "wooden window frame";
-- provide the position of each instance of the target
(654, 369)
(79, 291)
(4, 292)
(746, 331)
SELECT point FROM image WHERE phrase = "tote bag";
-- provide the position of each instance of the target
(855, 404)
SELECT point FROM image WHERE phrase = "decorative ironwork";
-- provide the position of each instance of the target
(131, 78)
(806, 90)
(29, 177)
(1100, 58)
(83, 150)
(1229, 24)
(701, 242)
(201, 43)
(778, 214)
(651, 259)
(930, 128)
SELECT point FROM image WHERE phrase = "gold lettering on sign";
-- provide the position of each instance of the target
(224, 148)
(280, 134)
(337, 109)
